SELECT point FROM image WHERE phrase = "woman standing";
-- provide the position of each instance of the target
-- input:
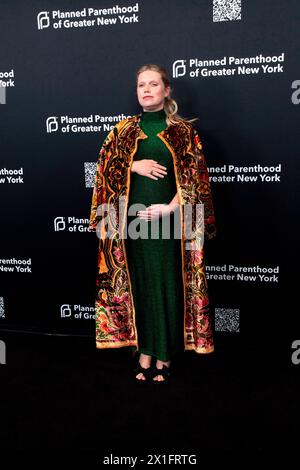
(152, 289)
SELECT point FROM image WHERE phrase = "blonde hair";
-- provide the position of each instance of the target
(170, 105)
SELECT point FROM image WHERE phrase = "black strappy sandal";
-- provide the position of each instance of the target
(146, 372)
(165, 372)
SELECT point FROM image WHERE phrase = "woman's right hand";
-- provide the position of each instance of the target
(149, 168)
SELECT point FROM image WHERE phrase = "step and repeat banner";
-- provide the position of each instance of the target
(67, 76)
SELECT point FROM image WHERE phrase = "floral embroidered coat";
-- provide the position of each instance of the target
(114, 306)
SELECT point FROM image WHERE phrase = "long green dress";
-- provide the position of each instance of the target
(155, 265)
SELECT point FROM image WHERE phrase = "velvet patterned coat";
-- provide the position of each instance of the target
(114, 306)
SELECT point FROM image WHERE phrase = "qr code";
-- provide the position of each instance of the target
(90, 173)
(2, 312)
(227, 10)
(227, 319)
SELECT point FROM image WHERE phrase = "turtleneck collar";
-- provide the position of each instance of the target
(153, 115)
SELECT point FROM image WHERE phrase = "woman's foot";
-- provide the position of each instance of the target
(159, 365)
(145, 362)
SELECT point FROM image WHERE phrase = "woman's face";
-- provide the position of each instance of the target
(151, 91)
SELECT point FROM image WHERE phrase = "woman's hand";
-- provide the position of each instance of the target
(149, 168)
(155, 211)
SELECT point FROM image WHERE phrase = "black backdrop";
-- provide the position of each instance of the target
(54, 73)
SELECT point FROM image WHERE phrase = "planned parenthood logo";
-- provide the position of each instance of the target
(83, 124)
(43, 20)
(179, 68)
(77, 312)
(229, 66)
(52, 124)
(70, 224)
(89, 17)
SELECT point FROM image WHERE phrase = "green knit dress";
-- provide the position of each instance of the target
(155, 265)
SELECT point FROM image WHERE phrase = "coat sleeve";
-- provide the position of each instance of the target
(204, 188)
(99, 192)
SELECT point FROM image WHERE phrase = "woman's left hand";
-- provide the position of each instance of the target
(155, 211)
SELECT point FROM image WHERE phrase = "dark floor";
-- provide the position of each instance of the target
(60, 393)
